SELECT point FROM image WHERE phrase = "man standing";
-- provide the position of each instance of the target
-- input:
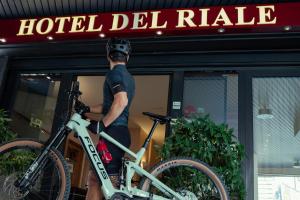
(118, 92)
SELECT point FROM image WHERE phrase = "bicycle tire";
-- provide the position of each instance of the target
(176, 162)
(54, 155)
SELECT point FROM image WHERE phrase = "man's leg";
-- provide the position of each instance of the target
(93, 192)
(114, 166)
(121, 134)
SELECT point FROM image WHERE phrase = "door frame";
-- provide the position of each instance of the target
(245, 106)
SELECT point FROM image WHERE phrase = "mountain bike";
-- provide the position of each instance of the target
(42, 172)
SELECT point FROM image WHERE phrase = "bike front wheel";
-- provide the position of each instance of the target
(191, 178)
(52, 182)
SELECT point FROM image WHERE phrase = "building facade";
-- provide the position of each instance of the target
(250, 81)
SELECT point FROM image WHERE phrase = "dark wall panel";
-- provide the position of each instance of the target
(42, 9)
(123, 5)
(45, 5)
(66, 7)
(87, 6)
(35, 8)
(59, 7)
(115, 5)
(3, 72)
(13, 8)
(100, 5)
(79, 6)
(94, 6)
(107, 5)
(10, 12)
(2, 11)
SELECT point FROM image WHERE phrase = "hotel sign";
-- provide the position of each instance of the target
(208, 20)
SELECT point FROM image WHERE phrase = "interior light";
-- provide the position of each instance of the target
(265, 113)
(159, 32)
(287, 28)
(3, 40)
(102, 35)
(221, 30)
(48, 77)
(50, 38)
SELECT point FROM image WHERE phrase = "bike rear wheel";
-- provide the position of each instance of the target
(191, 178)
(53, 181)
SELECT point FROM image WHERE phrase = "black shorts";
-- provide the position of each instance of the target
(122, 135)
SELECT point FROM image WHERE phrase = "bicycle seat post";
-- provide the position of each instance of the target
(145, 145)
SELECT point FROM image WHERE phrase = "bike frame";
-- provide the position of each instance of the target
(78, 125)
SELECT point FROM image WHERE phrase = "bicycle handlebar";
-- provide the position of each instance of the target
(74, 94)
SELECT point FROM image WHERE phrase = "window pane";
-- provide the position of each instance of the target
(278, 187)
(34, 107)
(276, 117)
(216, 96)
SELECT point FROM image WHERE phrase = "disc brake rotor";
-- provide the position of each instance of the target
(188, 195)
(11, 190)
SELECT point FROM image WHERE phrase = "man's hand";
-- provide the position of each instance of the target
(79, 106)
(96, 126)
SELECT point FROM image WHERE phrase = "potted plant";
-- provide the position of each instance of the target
(199, 137)
(16, 160)
(5, 133)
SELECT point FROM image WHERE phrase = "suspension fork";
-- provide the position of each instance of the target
(30, 176)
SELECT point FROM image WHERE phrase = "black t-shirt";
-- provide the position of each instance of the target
(118, 79)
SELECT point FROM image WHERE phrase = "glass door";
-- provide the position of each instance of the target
(34, 106)
(276, 129)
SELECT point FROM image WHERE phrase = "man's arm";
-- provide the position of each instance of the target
(119, 104)
(96, 109)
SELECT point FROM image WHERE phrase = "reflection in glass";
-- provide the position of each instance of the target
(276, 126)
(216, 96)
(34, 107)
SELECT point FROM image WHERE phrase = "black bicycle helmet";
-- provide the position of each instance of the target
(118, 45)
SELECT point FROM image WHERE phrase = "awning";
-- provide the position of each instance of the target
(40, 8)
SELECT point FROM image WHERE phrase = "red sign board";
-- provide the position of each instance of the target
(184, 21)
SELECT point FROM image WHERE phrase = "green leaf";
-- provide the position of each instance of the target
(201, 138)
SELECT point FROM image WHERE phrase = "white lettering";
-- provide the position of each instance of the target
(154, 23)
(265, 15)
(27, 25)
(49, 28)
(115, 23)
(182, 19)
(222, 17)
(138, 20)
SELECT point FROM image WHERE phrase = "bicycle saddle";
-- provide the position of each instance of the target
(160, 118)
